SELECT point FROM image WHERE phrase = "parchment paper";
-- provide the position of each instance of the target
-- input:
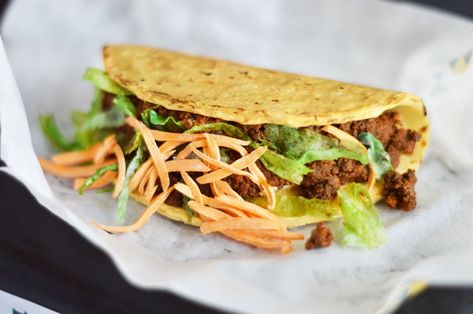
(387, 45)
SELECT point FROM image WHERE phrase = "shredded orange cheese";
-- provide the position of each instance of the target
(227, 189)
(170, 146)
(208, 212)
(76, 157)
(139, 174)
(188, 165)
(167, 136)
(243, 162)
(107, 178)
(144, 181)
(153, 207)
(193, 187)
(71, 171)
(121, 170)
(248, 207)
(221, 164)
(105, 149)
(225, 212)
(239, 223)
(153, 176)
(153, 150)
(185, 190)
(258, 241)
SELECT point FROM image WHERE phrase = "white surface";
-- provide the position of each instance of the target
(393, 46)
(10, 303)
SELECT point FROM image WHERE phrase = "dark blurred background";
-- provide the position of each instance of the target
(49, 263)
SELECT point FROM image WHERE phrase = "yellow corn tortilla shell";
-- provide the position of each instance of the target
(250, 95)
(180, 214)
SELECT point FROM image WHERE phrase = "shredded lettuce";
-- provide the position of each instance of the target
(362, 225)
(228, 129)
(129, 143)
(288, 169)
(54, 134)
(289, 205)
(97, 175)
(134, 164)
(125, 104)
(224, 155)
(305, 145)
(153, 120)
(105, 190)
(190, 213)
(102, 81)
(112, 118)
(377, 156)
(95, 125)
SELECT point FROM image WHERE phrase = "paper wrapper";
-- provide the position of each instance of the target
(392, 46)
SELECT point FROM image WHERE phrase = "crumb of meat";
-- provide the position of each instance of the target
(350, 170)
(329, 175)
(383, 127)
(320, 237)
(394, 155)
(243, 186)
(323, 182)
(175, 198)
(255, 132)
(404, 140)
(188, 119)
(398, 190)
(107, 101)
(396, 141)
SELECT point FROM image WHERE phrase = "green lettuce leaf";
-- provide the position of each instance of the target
(153, 120)
(105, 189)
(226, 128)
(125, 104)
(133, 165)
(307, 146)
(224, 155)
(288, 205)
(102, 81)
(99, 173)
(377, 156)
(54, 134)
(288, 169)
(129, 142)
(112, 118)
(362, 225)
(84, 137)
(190, 213)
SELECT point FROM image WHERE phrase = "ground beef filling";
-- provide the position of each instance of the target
(398, 190)
(396, 140)
(320, 237)
(176, 198)
(328, 176)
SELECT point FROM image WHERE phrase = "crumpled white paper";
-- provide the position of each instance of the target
(388, 45)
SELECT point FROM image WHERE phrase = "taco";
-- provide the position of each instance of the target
(243, 151)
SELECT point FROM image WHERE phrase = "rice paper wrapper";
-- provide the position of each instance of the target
(387, 45)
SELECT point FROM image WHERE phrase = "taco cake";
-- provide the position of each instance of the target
(242, 151)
